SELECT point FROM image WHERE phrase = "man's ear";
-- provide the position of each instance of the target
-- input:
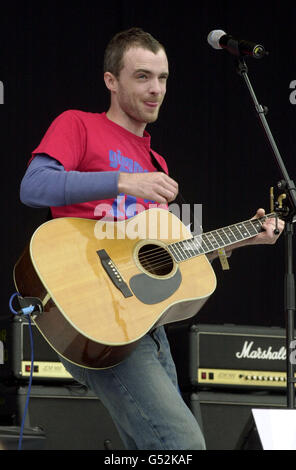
(110, 81)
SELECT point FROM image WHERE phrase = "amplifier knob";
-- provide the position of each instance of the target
(270, 378)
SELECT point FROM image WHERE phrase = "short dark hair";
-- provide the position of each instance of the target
(123, 41)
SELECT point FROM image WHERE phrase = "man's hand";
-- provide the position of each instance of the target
(156, 186)
(267, 236)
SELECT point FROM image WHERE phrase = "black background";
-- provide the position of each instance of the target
(51, 60)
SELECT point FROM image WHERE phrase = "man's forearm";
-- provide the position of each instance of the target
(47, 184)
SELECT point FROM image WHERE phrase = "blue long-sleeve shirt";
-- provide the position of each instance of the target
(47, 184)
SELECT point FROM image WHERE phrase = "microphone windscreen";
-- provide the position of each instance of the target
(214, 38)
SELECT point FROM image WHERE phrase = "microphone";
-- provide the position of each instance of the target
(218, 39)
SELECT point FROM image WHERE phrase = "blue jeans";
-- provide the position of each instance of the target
(143, 398)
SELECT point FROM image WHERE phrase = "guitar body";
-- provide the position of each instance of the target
(104, 285)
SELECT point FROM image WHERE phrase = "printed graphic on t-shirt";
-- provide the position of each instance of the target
(121, 163)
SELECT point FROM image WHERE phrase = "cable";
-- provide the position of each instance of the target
(25, 311)
(30, 384)
(10, 303)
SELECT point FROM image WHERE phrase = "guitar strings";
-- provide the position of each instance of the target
(162, 258)
(193, 244)
(158, 257)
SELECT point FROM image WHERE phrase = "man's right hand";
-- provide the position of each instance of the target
(156, 186)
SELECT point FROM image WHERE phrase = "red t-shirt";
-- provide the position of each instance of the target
(89, 142)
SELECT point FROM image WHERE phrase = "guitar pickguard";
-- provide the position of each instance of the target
(151, 290)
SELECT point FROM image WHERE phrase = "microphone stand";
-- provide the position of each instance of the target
(287, 186)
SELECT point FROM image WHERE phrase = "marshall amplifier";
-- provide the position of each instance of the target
(237, 356)
(15, 335)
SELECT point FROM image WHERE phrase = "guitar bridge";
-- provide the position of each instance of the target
(114, 275)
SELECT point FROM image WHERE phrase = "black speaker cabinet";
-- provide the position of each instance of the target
(226, 418)
(71, 417)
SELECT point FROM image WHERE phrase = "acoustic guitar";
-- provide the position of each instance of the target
(104, 285)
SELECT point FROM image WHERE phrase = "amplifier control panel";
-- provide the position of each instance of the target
(45, 370)
(229, 377)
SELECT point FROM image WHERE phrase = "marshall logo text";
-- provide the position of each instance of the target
(250, 352)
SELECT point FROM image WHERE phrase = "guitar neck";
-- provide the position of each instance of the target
(216, 239)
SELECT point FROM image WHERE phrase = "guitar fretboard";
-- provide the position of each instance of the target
(220, 238)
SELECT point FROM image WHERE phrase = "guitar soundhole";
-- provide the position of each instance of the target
(155, 259)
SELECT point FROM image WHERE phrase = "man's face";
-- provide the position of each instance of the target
(141, 85)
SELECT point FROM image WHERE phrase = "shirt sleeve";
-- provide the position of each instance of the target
(47, 184)
(65, 140)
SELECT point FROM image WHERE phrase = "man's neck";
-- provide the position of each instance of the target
(127, 123)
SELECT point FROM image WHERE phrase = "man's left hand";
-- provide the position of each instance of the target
(267, 236)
